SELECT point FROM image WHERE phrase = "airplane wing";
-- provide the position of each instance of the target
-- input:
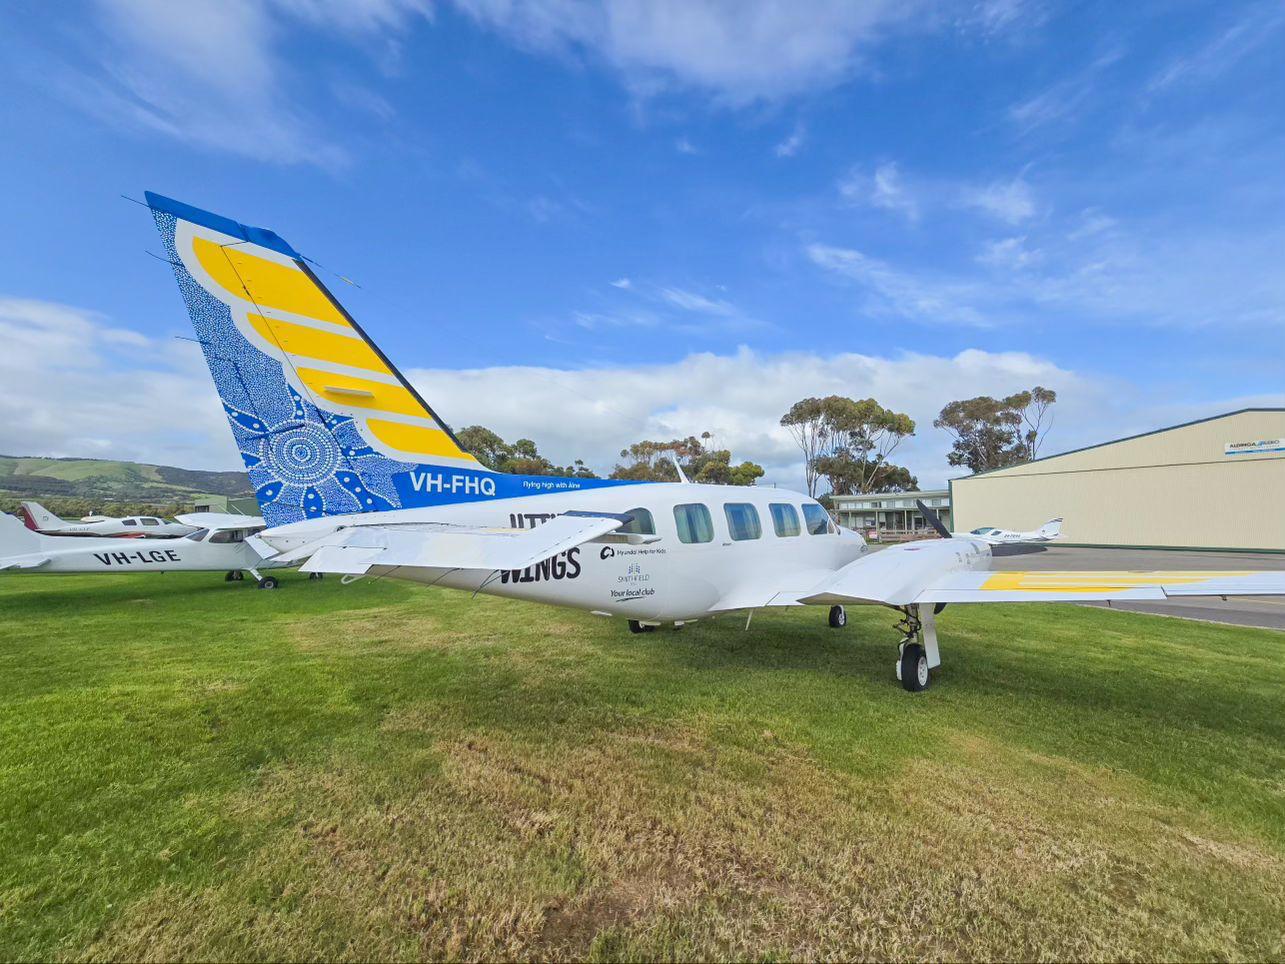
(977, 587)
(426, 545)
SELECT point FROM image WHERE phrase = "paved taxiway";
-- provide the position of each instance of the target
(1262, 611)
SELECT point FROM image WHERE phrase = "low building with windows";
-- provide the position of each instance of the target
(891, 513)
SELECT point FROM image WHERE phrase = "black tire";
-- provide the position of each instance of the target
(838, 617)
(636, 627)
(238, 576)
(229, 577)
(914, 668)
(268, 582)
(316, 575)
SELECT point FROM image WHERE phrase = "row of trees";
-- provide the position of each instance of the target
(847, 442)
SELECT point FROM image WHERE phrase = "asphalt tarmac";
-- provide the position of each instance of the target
(1267, 612)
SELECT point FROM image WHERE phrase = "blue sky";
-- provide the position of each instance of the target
(594, 224)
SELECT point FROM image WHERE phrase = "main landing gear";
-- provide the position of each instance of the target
(917, 652)
(236, 575)
(636, 627)
(838, 617)
(313, 576)
(264, 582)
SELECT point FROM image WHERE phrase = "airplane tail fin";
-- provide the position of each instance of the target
(38, 518)
(325, 424)
(17, 539)
(1050, 530)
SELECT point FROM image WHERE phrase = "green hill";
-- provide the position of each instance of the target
(71, 486)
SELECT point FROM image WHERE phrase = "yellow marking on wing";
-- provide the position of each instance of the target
(267, 283)
(300, 340)
(1095, 581)
(416, 439)
(382, 397)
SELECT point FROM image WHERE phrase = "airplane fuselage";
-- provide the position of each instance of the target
(665, 579)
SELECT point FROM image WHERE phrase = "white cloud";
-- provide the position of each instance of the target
(1064, 99)
(1258, 26)
(624, 283)
(1009, 201)
(684, 146)
(885, 188)
(72, 385)
(790, 146)
(691, 301)
(1010, 253)
(929, 300)
(210, 72)
(738, 52)
(66, 390)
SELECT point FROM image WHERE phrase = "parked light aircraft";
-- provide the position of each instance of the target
(40, 519)
(1006, 537)
(356, 474)
(216, 542)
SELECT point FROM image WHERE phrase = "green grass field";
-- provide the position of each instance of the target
(194, 769)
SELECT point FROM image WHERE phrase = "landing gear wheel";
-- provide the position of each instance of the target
(238, 576)
(316, 575)
(268, 582)
(228, 577)
(912, 669)
(838, 617)
(636, 627)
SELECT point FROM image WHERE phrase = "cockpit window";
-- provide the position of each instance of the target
(817, 519)
(642, 523)
(983, 531)
(228, 535)
(150, 522)
(129, 522)
(198, 535)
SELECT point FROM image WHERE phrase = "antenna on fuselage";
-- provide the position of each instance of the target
(933, 520)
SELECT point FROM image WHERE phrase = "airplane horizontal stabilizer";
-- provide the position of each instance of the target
(444, 546)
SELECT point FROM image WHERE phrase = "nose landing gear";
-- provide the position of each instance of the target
(838, 617)
(917, 652)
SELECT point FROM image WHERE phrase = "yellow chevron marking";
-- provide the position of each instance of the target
(1095, 581)
(382, 397)
(267, 283)
(416, 439)
(300, 340)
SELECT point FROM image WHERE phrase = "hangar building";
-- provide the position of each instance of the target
(1213, 483)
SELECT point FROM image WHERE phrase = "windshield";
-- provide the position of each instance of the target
(984, 531)
(198, 535)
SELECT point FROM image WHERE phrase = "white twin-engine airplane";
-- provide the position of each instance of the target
(1006, 537)
(40, 519)
(355, 474)
(215, 542)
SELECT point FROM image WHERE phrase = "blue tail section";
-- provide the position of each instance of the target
(325, 423)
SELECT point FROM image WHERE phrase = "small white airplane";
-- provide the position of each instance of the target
(39, 519)
(1006, 537)
(355, 474)
(216, 542)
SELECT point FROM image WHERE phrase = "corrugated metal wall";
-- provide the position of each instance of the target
(1176, 487)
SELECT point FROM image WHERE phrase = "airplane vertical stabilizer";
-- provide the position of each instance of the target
(325, 423)
(38, 518)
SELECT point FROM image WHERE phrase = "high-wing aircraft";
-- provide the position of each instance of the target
(39, 519)
(1006, 537)
(215, 542)
(356, 474)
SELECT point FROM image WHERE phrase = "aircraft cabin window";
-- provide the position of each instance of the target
(150, 522)
(818, 520)
(742, 521)
(694, 523)
(642, 523)
(129, 522)
(228, 535)
(785, 520)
